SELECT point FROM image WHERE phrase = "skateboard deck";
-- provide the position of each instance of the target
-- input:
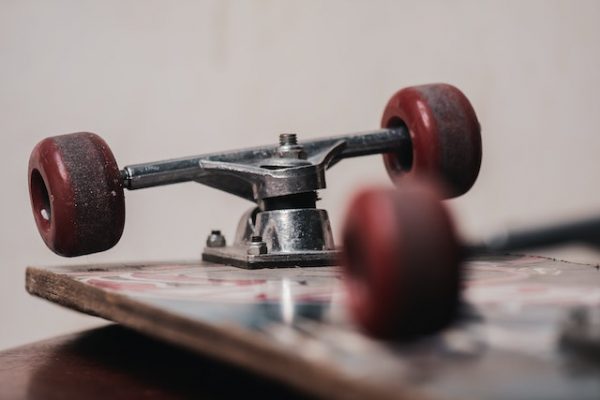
(290, 324)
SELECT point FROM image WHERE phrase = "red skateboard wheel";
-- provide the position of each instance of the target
(401, 261)
(76, 194)
(445, 135)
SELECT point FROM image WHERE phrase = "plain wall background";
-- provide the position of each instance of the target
(162, 79)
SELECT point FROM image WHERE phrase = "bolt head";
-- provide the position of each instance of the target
(216, 239)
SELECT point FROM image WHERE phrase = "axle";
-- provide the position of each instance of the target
(193, 168)
(586, 231)
(77, 188)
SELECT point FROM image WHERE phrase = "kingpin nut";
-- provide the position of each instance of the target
(289, 147)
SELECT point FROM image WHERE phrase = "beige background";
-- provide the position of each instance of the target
(160, 79)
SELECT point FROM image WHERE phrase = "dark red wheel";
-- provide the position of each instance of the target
(445, 136)
(401, 261)
(76, 194)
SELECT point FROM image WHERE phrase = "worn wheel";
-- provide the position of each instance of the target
(401, 261)
(76, 194)
(445, 136)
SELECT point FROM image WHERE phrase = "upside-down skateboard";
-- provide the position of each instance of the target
(274, 300)
(518, 337)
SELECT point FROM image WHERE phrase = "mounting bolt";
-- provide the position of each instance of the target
(579, 317)
(256, 246)
(215, 239)
(289, 147)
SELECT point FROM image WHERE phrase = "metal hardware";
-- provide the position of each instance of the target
(282, 180)
(581, 332)
(586, 231)
(256, 246)
(289, 147)
(246, 173)
(216, 239)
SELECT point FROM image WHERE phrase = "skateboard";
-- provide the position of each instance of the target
(522, 333)
(402, 309)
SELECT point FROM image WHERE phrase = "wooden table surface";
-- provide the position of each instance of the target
(117, 363)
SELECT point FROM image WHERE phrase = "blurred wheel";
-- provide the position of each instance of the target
(401, 261)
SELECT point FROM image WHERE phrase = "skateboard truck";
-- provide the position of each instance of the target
(285, 228)
(77, 194)
(403, 258)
